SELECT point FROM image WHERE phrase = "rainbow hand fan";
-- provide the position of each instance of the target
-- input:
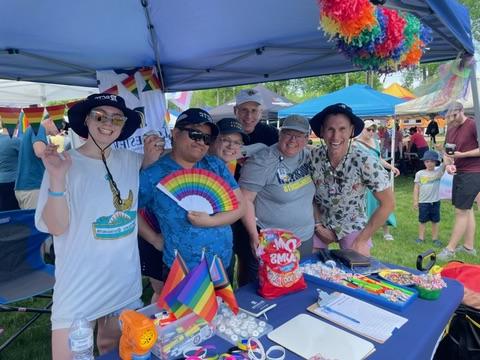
(199, 190)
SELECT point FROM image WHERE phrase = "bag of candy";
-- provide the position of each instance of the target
(279, 272)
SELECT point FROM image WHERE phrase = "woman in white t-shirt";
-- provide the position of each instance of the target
(88, 202)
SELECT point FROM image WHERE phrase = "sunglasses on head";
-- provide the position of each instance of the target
(101, 117)
(197, 135)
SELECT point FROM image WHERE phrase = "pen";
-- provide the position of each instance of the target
(333, 311)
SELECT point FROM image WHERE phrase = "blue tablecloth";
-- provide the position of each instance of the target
(415, 340)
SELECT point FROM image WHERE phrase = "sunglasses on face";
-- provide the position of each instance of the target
(101, 117)
(197, 135)
(371, 130)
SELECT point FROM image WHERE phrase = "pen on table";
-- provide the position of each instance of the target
(333, 311)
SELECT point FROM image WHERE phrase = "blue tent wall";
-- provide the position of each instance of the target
(363, 100)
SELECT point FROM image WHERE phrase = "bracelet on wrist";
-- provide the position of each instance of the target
(56, 193)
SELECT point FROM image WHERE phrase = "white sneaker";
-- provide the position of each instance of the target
(445, 254)
(388, 237)
(461, 248)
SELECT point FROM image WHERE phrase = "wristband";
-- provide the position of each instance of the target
(56, 193)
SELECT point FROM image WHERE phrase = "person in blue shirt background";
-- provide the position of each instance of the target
(9, 149)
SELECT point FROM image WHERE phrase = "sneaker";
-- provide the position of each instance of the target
(388, 237)
(463, 249)
(437, 243)
(445, 254)
(420, 241)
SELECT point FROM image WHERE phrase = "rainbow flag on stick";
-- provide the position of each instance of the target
(131, 85)
(34, 116)
(198, 293)
(222, 285)
(57, 114)
(10, 118)
(173, 285)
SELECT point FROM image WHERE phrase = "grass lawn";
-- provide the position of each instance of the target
(35, 342)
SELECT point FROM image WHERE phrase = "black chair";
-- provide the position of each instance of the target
(23, 272)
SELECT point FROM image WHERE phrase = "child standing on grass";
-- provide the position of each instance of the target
(426, 195)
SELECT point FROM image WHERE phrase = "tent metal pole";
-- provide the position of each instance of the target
(153, 36)
(392, 151)
(476, 102)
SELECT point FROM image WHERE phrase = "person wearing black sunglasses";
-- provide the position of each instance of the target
(190, 232)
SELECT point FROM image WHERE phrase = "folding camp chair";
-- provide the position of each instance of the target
(23, 273)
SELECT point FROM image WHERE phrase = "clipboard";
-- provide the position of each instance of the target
(307, 336)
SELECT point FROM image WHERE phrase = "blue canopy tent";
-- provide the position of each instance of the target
(363, 100)
(195, 44)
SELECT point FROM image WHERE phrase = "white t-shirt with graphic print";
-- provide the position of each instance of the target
(97, 266)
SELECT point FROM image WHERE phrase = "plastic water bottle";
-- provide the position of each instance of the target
(81, 340)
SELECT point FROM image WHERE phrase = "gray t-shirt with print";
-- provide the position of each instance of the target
(429, 184)
(284, 190)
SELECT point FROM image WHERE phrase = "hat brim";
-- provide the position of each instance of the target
(77, 115)
(316, 123)
(213, 128)
(296, 128)
(245, 137)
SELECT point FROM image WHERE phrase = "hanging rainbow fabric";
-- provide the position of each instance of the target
(34, 116)
(177, 273)
(113, 90)
(151, 80)
(10, 118)
(199, 189)
(374, 37)
(131, 85)
(222, 285)
(198, 292)
(57, 114)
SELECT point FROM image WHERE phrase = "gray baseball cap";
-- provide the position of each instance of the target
(296, 122)
(247, 95)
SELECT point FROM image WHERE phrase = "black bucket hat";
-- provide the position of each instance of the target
(232, 126)
(78, 112)
(317, 121)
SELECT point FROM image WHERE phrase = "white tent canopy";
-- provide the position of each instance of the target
(23, 93)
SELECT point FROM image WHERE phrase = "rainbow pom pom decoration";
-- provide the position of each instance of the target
(199, 190)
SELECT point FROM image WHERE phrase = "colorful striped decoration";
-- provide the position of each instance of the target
(191, 187)
(34, 116)
(57, 114)
(232, 166)
(70, 104)
(177, 273)
(10, 118)
(23, 124)
(222, 285)
(131, 85)
(174, 304)
(113, 90)
(151, 80)
(198, 292)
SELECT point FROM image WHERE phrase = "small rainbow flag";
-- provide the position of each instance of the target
(23, 124)
(198, 292)
(167, 117)
(34, 116)
(10, 118)
(113, 90)
(177, 273)
(232, 166)
(131, 85)
(57, 115)
(222, 285)
(70, 104)
(151, 80)
(176, 307)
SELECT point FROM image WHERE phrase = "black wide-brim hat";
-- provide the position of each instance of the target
(78, 113)
(316, 123)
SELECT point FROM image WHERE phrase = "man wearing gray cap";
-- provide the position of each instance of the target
(248, 111)
(278, 188)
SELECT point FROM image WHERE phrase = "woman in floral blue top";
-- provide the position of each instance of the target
(341, 174)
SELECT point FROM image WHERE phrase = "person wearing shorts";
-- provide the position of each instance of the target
(464, 163)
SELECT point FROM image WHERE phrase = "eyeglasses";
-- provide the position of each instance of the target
(115, 119)
(230, 142)
(293, 136)
(196, 135)
(371, 130)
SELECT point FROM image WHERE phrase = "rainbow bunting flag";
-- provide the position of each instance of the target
(34, 116)
(57, 115)
(113, 90)
(222, 285)
(173, 285)
(23, 124)
(198, 293)
(151, 80)
(131, 85)
(70, 104)
(10, 118)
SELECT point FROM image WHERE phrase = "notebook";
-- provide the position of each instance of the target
(255, 305)
(307, 336)
(359, 316)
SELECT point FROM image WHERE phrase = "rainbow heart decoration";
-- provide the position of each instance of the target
(199, 190)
